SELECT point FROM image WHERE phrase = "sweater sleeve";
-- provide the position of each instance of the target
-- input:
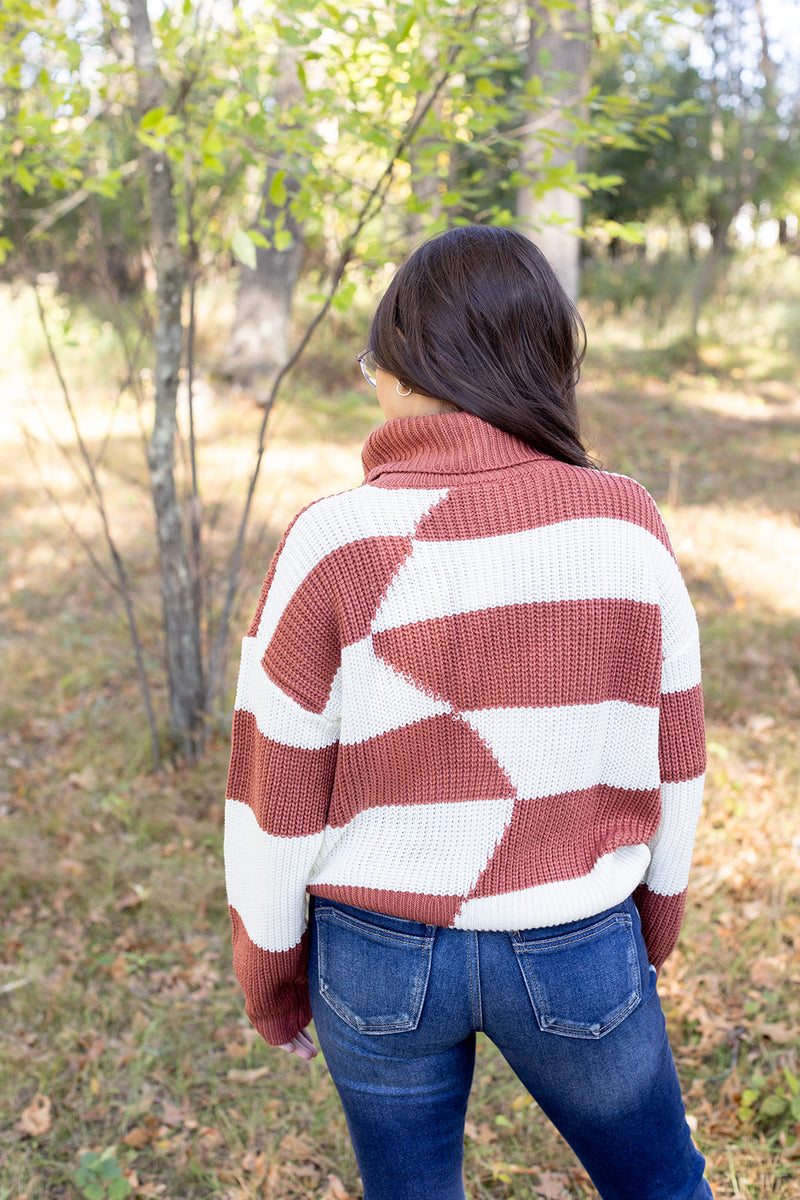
(283, 756)
(661, 897)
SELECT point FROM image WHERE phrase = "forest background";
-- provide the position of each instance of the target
(200, 205)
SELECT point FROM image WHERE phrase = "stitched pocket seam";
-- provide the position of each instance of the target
(528, 952)
(418, 984)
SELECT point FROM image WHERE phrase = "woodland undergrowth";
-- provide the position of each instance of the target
(128, 1067)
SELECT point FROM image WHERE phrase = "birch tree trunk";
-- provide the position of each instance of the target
(558, 53)
(182, 634)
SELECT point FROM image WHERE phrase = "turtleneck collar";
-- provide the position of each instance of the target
(442, 444)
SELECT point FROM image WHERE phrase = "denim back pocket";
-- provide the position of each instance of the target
(582, 984)
(374, 978)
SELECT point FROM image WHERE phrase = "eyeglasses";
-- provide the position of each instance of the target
(369, 368)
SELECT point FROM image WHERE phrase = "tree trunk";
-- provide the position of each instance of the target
(182, 634)
(711, 270)
(558, 53)
(260, 339)
(259, 344)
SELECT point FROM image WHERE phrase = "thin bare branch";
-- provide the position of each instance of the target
(371, 206)
(100, 505)
(31, 442)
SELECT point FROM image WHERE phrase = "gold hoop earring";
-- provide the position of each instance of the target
(402, 391)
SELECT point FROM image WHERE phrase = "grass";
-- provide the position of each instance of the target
(117, 1001)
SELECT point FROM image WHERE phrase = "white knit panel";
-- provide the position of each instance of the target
(376, 698)
(266, 878)
(335, 522)
(431, 849)
(546, 751)
(585, 559)
(277, 715)
(610, 881)
(681, 670)
(671, 848)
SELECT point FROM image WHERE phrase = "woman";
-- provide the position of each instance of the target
(469, 725)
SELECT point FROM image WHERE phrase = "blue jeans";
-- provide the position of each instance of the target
(573, 1009)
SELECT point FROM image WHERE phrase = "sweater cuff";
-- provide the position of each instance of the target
(661, 918)
(275, 1030)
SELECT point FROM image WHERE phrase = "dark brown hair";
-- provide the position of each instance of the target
(478, 317)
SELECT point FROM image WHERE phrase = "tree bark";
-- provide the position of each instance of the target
(181, 630)
(259, 344)
(558, 53)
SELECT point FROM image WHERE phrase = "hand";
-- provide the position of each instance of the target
(301, 1045)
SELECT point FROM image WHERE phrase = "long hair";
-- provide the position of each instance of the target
(477, 317)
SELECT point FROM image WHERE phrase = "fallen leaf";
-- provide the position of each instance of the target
(241, 1075)
(138, 1138)
(780, 1034)
(83, 780)
(210, 1137)
(768, 972)
(336, 1189)
(296, 1147)
(71, 866)
(119, 967)
(272, 1184)
(483, 1134)
(253, 1162)
(173, 1114)
(551, 1185)
(35, 1120)
(135, 896)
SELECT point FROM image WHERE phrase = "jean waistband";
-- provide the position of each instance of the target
(389, 921)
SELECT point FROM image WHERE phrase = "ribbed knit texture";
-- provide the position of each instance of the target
(470, 696)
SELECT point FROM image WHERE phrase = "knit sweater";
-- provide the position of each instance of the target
(470, 697)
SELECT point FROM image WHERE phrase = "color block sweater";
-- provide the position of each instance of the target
(470, 696)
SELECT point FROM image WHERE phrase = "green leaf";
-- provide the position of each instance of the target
(341, 302)
(283, 240)
(25, 179)
(485, 87)
(794, 1108)
(792, 1082)
(500, 1119)
(277, 190)
(773, 1106)
(94, 1191)
(152, 118)
(406, 27)
(243, 248)
(749, 1097)
(119, 1188)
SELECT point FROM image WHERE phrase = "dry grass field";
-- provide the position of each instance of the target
(121, 1027)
